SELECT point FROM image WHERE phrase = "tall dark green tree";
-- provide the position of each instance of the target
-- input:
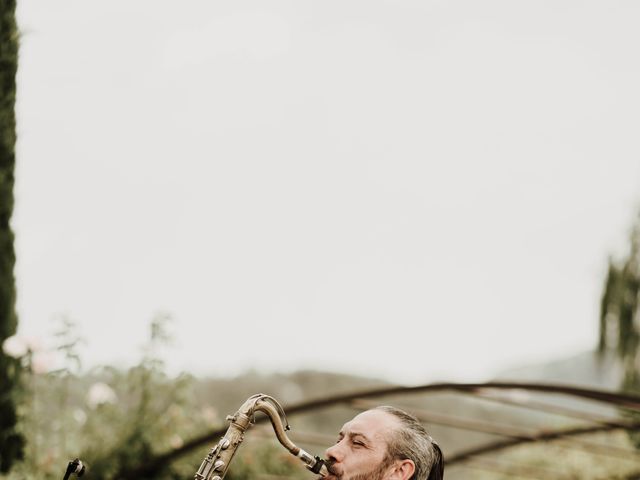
(11, 442)
(620, 313)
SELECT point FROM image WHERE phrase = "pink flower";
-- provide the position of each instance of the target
(43, 361)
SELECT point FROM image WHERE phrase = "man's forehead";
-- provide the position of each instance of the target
(371, 423)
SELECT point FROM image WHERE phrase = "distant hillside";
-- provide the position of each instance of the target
(588, 369)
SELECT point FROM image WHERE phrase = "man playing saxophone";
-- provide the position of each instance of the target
(384, 443)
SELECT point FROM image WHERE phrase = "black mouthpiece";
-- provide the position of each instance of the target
(318, 465)
(76, 467)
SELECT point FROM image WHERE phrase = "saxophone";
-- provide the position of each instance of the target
(216, 463)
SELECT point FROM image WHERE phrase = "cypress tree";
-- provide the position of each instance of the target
(11, 441)
(620, 312)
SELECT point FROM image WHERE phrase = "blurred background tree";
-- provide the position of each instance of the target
(619, 315)
(11, 441)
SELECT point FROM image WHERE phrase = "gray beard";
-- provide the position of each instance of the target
(377, 473)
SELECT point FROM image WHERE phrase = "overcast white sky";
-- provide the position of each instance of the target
(418, 190)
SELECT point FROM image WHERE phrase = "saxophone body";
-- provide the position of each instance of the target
(216, 463)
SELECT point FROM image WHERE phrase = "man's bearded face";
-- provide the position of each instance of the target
(360, 452)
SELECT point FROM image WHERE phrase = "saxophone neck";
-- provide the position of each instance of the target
(215, 465)
(275, 412)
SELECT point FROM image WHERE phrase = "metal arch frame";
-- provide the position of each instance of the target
(541, 437)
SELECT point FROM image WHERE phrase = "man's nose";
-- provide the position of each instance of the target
(335, 452)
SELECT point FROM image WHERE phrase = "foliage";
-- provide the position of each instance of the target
(620, 317)
(11, 441)
(136, 413)
(116, 419)
(109, 418)
(619, 313)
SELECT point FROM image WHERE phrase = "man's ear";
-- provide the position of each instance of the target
(402, 470)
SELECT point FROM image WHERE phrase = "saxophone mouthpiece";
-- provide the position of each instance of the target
(324, 471)
(319, 467)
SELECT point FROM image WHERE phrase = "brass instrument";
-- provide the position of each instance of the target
(216, 463)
